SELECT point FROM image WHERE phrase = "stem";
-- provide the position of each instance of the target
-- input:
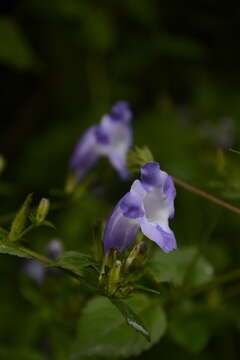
(34, 254)
(26, 231)
(206, 195)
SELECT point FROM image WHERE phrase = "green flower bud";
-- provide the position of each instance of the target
(138, 157)
(136, 256)
(20, 219)
(42, 210)
(114, 277)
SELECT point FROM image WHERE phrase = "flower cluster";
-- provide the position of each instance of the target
(150, 202)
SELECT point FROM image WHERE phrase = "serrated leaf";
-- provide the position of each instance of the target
(82, 266)
(131, 318)
(179, 266)
(103, 332)
(75, 261)
(9, 248)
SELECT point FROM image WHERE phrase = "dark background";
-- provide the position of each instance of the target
(62, 64)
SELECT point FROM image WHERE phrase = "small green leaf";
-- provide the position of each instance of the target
(103, 332)
(7, 247)
(146, 289)
(131, 318)
(48, 224)
(75, 262)
(20, 219)
(180, 266)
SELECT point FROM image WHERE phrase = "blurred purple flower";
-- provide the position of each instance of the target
(148, 206)
(221, 134)
(225, 133)
(36, 269)
(112, 138)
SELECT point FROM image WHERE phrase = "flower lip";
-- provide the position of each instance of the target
(101, 135)
(131, 206)
(151, 174)
(120, 111)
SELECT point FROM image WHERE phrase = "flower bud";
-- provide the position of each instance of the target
(20, 220)
(114, 277)
(136, 256)
(42, 210)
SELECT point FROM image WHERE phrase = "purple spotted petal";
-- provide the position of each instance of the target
(131, 206)
(170, 192)
(120, 231)
(163, 238)
(152, 176)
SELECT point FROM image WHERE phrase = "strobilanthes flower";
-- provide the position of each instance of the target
(147, 206)
(112, 138)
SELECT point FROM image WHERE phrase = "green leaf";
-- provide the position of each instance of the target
(84, 267)
(131, 318)
(6, 247)
(75, 262)
(48, 224)
(14, 50)
(189, 330)
(184, 265)
(103, 332)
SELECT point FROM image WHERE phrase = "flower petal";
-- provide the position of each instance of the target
(170, 191)
(152, 176)
(85, 154)
(119, 164)
(119, 231)
(165, 239)
(138, 190)
(131, 206)
(121, 112)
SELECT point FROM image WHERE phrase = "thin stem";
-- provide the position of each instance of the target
(206, 195)
(26, 231)
(34, 254)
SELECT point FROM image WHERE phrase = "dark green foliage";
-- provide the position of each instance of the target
(62, 64)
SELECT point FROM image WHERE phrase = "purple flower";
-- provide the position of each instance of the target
(112, 138)
(36, 269)
(147, 206)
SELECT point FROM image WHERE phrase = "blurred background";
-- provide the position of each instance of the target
(62, 65)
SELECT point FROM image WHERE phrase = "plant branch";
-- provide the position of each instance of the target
(206, 195)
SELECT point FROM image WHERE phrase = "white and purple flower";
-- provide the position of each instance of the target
(112, 137)
(147, 206)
